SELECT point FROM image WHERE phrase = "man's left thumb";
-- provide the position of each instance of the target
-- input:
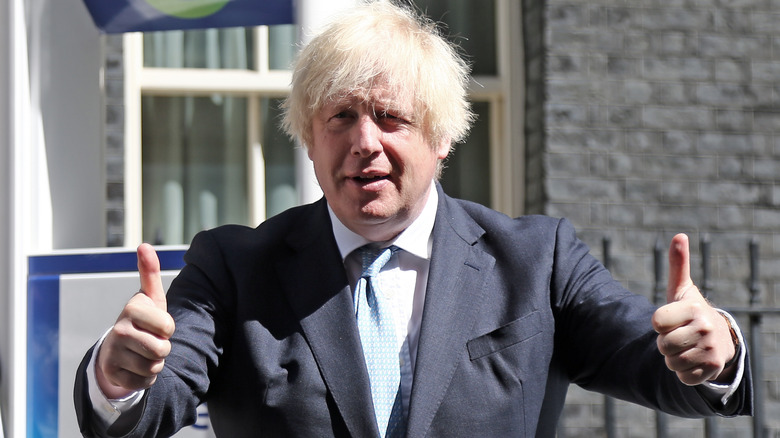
(679, 269)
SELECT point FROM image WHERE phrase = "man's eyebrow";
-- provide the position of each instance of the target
(378, 105)
(395, 109)
(341, 101)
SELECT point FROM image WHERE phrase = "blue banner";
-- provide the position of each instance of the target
(72, 298)
(118, 16)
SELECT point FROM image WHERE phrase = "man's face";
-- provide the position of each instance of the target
(373, 163)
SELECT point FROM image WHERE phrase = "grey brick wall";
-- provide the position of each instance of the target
(658, 117)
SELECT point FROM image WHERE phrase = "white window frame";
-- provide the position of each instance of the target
(253, 84)
(504, 93)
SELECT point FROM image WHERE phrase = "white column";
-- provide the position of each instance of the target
(27, 226)
(310, 15)
(6, 206)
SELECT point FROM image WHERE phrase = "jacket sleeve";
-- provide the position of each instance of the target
(605, 338)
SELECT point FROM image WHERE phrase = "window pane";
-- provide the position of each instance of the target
(281, 46)
(230, 48)
(467, 170)
(194, 165)
(472, 26)
(279, 157)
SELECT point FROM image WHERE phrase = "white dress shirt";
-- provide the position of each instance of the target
(403, 278)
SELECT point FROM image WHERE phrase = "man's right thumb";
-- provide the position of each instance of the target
(149, 271)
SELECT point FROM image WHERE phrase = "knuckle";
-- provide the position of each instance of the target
(688, 379)
(162, 350)
(710, 366)
(663, 346)
(135, 306)
(168, 326)
(697, 309)
(707, 327)
(122, 330)
(154, 349)
(654, 320)
(157, 368)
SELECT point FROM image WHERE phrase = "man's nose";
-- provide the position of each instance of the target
(366, 138)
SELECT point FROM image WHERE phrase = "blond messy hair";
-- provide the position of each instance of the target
(381, 44)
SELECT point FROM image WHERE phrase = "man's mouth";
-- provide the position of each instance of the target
(370, 178)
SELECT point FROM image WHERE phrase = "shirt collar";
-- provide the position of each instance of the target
(415, 239)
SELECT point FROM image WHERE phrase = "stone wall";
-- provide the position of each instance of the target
(661, 116)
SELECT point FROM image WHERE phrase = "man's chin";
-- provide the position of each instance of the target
(379, 225)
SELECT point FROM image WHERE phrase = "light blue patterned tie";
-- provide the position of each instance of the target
(377, 334)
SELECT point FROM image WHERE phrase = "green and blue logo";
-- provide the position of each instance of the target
(118, 16)
(189, 9)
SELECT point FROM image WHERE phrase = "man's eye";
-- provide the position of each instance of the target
(386, 115)
(391, 117)
(341, 115)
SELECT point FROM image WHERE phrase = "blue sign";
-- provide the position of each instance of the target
(73, 298)
(118, 16)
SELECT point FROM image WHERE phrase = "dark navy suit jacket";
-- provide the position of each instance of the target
(515, 310)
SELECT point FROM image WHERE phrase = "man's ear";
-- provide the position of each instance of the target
(444, 148)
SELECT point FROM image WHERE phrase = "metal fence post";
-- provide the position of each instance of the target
(755, 344)
(710, 423)
(659, 298)
(609, 402)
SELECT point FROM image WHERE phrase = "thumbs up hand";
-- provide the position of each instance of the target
(134, 351)
(693, 337)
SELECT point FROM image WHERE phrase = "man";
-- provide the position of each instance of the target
(490, 318)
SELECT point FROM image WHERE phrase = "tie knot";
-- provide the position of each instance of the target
(374, 259)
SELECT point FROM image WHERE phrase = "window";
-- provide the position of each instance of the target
(203, 146)
(193, 165)
(488, 167)
(210, 150)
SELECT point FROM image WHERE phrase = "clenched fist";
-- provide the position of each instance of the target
(134, 351)
(694, 337)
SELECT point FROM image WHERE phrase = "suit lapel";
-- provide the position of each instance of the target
(319, 294)
(455, 288)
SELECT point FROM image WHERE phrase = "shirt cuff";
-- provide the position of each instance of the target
(108, 410)
(725, 391)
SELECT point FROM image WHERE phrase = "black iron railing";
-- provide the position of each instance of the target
(754, 314)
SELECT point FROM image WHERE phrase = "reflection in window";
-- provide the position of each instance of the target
(281, 46)
(231, 48)
(194, 165)
(470, 25)
(279, 158)
(467, 170)
(225, 48)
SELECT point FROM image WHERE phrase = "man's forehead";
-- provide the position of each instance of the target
(376, 97)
